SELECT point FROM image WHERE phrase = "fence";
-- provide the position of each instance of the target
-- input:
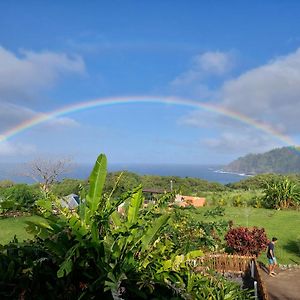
(224, 263)
(234, 264)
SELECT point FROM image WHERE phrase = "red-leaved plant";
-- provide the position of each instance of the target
(246, 241)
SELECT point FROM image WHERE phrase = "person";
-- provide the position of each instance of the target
(271, 257)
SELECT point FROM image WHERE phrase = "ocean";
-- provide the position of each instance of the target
(207, 172)
(81, 171)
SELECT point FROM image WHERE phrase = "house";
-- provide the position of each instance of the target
(184, 201)
(151, 194)
(71, 201)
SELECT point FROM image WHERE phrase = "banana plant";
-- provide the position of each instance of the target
(96, 236)
(281, 193)
(130, 238)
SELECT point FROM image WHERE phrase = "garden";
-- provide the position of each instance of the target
(143, 251)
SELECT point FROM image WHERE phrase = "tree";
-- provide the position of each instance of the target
(47, 171)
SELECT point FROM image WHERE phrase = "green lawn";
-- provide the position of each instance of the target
(285, 225)
(14, 226)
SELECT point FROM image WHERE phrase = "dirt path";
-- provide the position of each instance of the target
(285, 286)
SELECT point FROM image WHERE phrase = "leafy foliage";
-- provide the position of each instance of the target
(97, 253)
(19, 197)
(217, 211)
(281, 194)
(185, 185)
(245, 241)
(190, 234)
(89, 252)
(68, 186)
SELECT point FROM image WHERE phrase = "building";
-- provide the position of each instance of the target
(184, 201)
(71, 201)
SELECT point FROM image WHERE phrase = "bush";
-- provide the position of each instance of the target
(20, 197)
(68, 186)
(188, 234)
(282, 193)
(237, 201)
(245, 241)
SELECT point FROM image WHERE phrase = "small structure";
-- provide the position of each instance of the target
(184, 201)
(71, 201)
(150, 194)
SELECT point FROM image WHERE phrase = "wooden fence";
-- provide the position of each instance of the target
(234, 264)
(224, 263)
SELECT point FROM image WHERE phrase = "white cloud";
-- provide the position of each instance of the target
(12, 149)
(269, 93)
(23, 76)
(217, 62)
(12, 115)
(240, 143)
(204, 65)
(63, 122)
(199, 118)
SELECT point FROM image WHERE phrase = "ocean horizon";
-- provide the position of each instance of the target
(212, 173)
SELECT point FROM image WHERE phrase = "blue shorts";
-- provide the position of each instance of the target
(272, 261)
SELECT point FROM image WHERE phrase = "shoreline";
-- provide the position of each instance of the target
(233, 173)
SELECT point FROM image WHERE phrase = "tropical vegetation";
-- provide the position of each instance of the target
(96, 252)
(246, 241)
(282, 193)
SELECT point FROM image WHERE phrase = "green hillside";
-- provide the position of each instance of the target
(281, 160)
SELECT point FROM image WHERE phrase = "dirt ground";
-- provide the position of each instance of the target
(284, 286)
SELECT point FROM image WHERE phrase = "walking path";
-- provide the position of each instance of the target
(284, 286)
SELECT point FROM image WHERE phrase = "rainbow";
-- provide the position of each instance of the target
(69, 109)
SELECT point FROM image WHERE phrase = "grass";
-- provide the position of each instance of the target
(14, 226)
(282, 224)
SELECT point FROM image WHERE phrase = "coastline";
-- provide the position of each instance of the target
(221, 171)
(211, 173)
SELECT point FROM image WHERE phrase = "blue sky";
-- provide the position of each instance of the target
(240, 55)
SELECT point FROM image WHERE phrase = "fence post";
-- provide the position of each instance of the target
(255, 290)
(252, 269)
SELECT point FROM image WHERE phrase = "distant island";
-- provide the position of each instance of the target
(280, 160)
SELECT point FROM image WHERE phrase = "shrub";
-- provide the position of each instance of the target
(222, 202)
(20, 197)
(217, 211)
(68, 186)
(256, 202)
(237, 201)
(281, 193)
(188, 233)
(245, 241)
